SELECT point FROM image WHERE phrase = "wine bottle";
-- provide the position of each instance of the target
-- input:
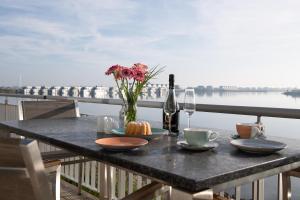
(171, 108)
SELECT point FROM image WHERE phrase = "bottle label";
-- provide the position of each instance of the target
(174, 122)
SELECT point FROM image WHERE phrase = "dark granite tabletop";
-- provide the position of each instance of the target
(161, 159)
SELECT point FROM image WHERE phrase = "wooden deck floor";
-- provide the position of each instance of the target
(69, 192)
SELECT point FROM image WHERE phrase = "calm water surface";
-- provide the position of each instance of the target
(274, 126)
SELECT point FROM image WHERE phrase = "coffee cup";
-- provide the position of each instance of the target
(198, 136)
(249, 130)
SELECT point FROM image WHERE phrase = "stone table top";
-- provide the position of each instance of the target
(161, 159)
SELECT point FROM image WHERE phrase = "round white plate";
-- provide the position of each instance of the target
(258, 146)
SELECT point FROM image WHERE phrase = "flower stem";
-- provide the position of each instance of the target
(120, 91)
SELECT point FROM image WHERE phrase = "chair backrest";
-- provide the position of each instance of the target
(22, 172)
(48, 109)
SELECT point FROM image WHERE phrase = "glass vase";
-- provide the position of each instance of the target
(121, 116)
(130, 110)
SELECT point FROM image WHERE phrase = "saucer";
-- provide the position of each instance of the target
(205, 147)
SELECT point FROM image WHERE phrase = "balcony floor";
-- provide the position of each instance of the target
(69, 192)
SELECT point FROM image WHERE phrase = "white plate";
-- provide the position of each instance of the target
(258, 146)
(207, 146)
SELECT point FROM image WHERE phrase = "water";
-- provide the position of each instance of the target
(274, 126)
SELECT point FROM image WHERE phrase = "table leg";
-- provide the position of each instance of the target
(179, 195)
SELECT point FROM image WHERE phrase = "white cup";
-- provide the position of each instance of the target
(198, 136)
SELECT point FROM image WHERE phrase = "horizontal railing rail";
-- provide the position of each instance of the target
(226, 109)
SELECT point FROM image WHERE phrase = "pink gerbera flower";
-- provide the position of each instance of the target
(139, 74)
(127, 73)
(118, 73)
(112, 69)
(140, 66)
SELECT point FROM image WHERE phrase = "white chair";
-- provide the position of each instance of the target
(53, 109)
(22, 173)
(48, 109)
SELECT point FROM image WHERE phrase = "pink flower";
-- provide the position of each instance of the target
(112, 69)
(116, 71)
(141, 66)
(127, 73)
(138, 71)
(139, 74)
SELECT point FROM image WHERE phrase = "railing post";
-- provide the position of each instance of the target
(279, 187)
(258, 119)
(80, 176)
(5, 108)
(237, 192)
(286, 186)
(258, 190)
(254, 190)
(102, 184)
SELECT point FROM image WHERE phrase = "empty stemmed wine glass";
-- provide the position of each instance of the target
(189, 103)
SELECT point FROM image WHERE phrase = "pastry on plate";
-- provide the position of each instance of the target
(138, 128)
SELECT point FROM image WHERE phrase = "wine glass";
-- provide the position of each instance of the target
(189, 103)
(170, 107)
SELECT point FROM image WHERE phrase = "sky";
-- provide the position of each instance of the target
(203, 42)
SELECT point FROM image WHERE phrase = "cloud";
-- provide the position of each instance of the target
(209, 37)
